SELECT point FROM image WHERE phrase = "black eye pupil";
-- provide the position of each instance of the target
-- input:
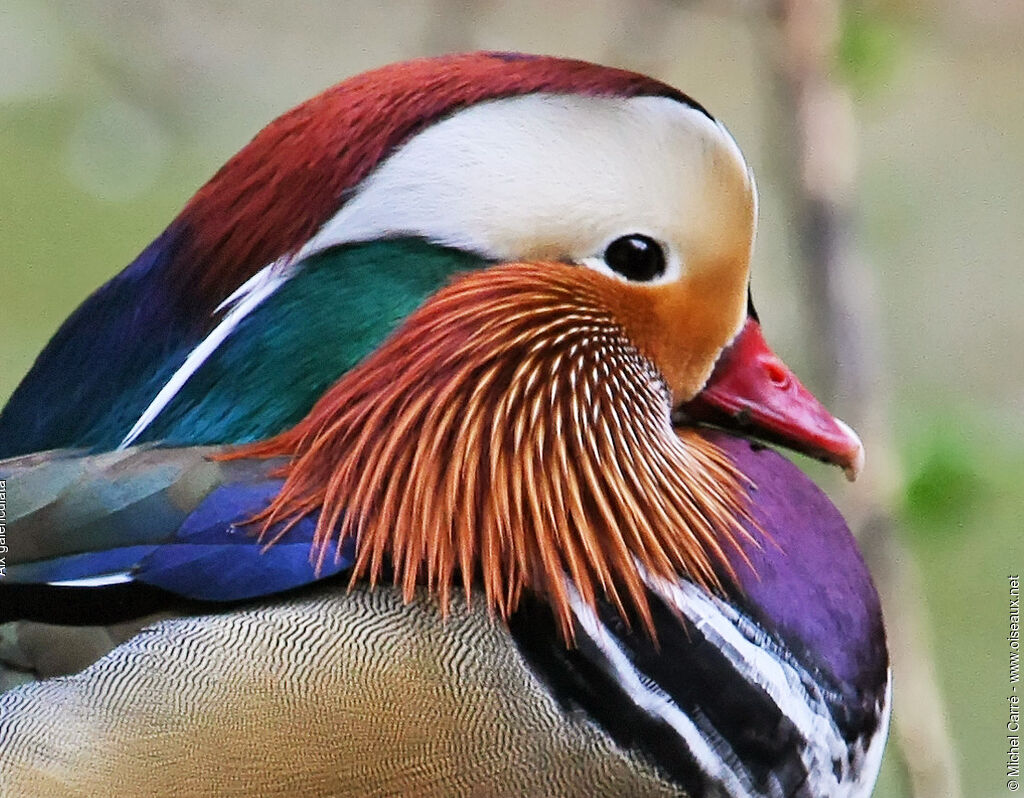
(636, 257)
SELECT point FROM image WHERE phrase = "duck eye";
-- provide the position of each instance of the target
(636, 257)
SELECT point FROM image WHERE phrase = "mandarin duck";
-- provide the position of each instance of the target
(433, 429)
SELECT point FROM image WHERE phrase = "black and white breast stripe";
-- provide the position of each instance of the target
(718, 704)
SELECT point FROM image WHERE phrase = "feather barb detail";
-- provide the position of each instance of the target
(510, 432)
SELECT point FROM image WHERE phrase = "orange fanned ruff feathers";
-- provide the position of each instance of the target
(510, 430)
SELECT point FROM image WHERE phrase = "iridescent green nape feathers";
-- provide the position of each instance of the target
(339, 306)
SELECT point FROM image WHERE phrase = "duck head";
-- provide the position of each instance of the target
(520, 422)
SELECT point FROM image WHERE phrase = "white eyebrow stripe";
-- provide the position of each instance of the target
(539, 175)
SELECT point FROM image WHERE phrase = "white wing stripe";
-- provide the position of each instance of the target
(95, 581)
(654, 701)
(246, 299)
(718, 622)
(786, 684)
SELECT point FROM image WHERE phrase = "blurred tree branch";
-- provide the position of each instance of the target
(817, 132)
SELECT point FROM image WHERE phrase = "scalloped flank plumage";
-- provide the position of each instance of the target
(511, 428)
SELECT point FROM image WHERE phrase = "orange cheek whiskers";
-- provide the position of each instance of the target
(511, 432)
(681, 327)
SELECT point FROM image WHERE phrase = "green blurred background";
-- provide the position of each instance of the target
(113, 113)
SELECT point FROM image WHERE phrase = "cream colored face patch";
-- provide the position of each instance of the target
(559, 177)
